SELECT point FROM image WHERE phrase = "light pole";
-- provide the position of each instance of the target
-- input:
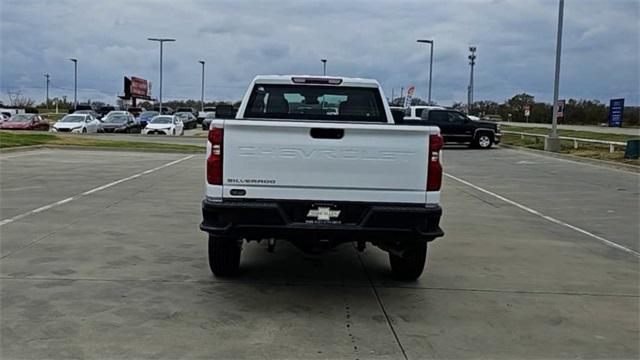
(161, 41)
(202, 93)
(75, 83)
(553, 142)
(324, 67)
(430, 66)
(472, 62)
(47, 98)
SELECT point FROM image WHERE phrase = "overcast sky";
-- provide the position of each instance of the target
(374, 39)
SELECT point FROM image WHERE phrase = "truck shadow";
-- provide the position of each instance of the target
(342, 265)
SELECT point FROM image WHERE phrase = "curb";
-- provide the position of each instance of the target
(604, 163)
(97, 148)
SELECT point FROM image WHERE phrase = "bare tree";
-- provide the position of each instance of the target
(16, 99)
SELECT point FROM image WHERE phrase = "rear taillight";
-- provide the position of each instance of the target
(434, 174)
(214, 161)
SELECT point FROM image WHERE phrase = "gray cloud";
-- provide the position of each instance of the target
(239, 39)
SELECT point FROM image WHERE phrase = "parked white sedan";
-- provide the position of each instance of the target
(164, 125)
(77, 123)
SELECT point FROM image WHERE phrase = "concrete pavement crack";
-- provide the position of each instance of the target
(384, 311)
(273, 283)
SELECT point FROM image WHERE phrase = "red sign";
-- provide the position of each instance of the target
(407, 99)
(139, 87)
(560, 108)
(527, 110)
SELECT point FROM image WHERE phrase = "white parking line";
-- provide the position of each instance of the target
(547, 217)
(21, 154)
(88, 192)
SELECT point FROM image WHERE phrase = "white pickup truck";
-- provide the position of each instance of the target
(319, 162)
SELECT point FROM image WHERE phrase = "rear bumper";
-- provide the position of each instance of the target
(286, 220)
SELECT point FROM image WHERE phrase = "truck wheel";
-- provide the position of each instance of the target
(224, 255)
(411, 265)
(483, 140)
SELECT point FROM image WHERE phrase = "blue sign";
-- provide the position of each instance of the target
(616, 109)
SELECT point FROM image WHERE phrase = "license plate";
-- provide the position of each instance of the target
(323, 214)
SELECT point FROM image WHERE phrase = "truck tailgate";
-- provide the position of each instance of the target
(302, 160)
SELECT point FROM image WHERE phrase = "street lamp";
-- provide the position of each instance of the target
(324, 67)
(75, 82)
(553, 142)
(202, 94)
(161, 41)
(430, 65)
(47, 98)
(472, 62)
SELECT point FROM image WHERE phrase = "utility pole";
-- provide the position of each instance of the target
(202, 95)
(430, 66)
(472, 62)
(46, 75)
(553, 142)
(324, 67)
(75, 83)
(161, 41)
(392, 95)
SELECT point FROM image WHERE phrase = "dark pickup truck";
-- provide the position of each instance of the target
(456, 127)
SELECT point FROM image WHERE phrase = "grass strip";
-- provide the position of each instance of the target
(11, 139)
(593, 151)
(573, 133)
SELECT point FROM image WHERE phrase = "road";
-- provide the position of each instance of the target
(598, 129)
(101, 257)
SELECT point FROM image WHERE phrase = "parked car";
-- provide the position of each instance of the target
(492, 117)
(113, 113)
(206, 111)
(320, 180)
(206, 122)
(189, 120)
(10, 111)
(105, 110)
(4, 117)
(224, 111)
(88, 112)
(146, 116)
(458, 128)
(165, 110)
(120, 123)
(187, 109)
(77, 123)
(83, 107)
(136, 111)
(165, 125)
(25, 122)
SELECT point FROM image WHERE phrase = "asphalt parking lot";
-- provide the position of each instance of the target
(101, 256)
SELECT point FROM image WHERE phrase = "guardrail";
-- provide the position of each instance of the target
(612, 144)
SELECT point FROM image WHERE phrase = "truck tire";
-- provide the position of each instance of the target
(483, 140)
(224, 255)
(411, 265)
